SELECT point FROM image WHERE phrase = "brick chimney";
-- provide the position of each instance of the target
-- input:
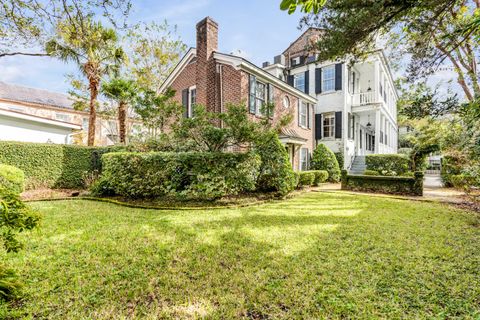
(207, 44)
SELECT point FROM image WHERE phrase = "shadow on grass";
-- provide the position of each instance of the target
(316, 256)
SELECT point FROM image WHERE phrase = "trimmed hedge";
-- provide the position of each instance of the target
(12, 179)
(388, 164)
(324, 159)
(306, 178)
(188, 175)
(52, 165)
(392, 185)
(340, 159)
(371, 173)
(276, 173)
(321, 176)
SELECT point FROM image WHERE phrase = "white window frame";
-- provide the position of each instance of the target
(303, 159)
(190, 102)
(62, 117)
(85, 123)
(259, 100)
(330, 80)
(296, 81)
(331, 125)
(303, 114)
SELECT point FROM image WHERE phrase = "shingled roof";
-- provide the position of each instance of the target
(13, 92)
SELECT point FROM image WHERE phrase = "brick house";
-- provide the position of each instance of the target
(213, 79)
(356, 110)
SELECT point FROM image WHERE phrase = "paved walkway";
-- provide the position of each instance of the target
(447, 195)
(432, 181)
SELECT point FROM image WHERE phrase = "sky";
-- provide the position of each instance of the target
(258, 28)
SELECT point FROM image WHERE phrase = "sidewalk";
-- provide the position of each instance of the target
(445, 195)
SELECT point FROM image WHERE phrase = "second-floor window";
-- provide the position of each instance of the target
(303, 114)
(85, 123)
(62, 117)
(328, 79)
(329, 125)
(299, 81)
(260, 96)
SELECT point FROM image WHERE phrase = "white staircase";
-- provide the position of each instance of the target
(358, 165)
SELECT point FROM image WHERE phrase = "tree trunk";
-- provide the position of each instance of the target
(93, 112)
(122, 121)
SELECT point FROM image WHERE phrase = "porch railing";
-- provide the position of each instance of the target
(364, 98)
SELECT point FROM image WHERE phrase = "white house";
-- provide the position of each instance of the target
(356, 101)
(17, 126)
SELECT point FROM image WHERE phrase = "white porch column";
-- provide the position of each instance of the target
(378, 123)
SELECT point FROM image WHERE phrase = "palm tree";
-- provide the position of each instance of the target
(124, 92)
(94, 49)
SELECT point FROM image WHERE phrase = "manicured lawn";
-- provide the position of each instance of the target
(316, 256)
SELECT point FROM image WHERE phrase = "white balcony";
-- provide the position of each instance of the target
(365, 98)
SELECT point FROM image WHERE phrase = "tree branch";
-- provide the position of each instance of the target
(6, 54)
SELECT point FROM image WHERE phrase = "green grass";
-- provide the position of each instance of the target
(315, 256)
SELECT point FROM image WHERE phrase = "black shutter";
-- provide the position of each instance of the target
(185, 102)
(338, 125)
(338, 76)
(307, 82)
(318, 126)
(318, 80)
(290, 80)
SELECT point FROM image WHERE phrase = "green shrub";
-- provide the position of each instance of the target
(306, 178)
(297, 179)
(189, 175)
(340, 159)
(321, 176)
(405, 151)
(52, 165)
(9, 284)
(11, 178)
(384, 184)
(15, 217)
(324, 159)
(276, 173)
(388, 164)
(371, 173)
(102, 187)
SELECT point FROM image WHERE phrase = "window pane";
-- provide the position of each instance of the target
(328, 78)
(299, 81)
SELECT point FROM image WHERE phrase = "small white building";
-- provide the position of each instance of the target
(17, 126)
(356, 110)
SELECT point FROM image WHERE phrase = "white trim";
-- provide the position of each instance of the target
(189, 102)
(32, 118)
(191, 53)
(240, 63)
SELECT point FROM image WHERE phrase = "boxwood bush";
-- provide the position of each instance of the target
(321, 176)
(12, 179)
(388, 164)
(306, 178)
(52, 165)
(276, 173)
(188, 175)
(324, 159)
